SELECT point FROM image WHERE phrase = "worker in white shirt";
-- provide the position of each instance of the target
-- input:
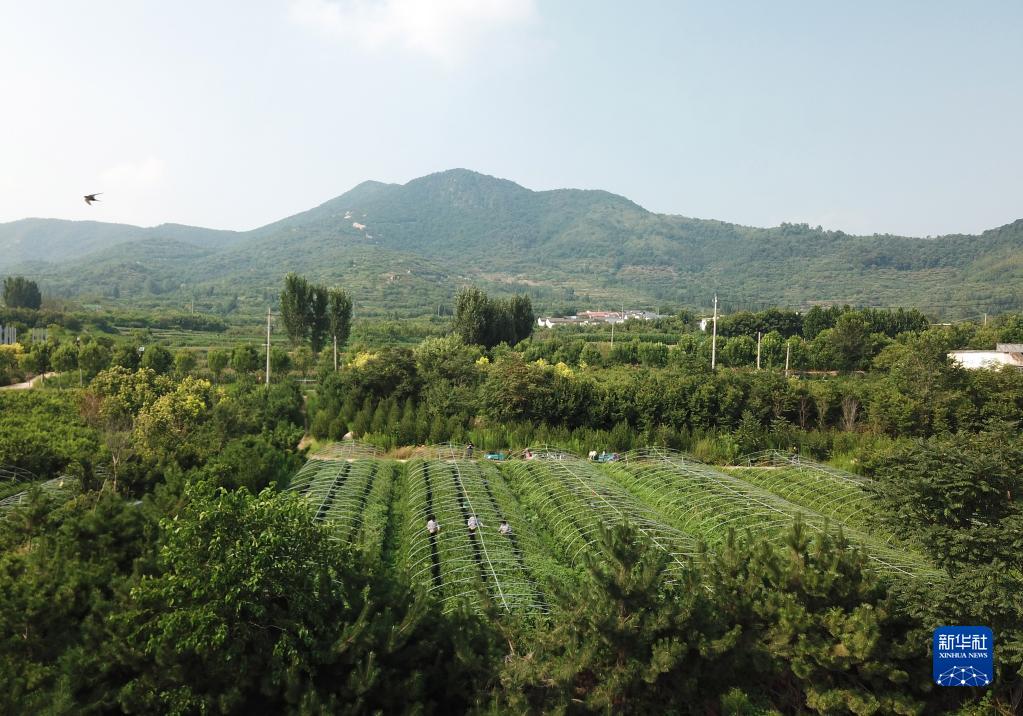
(472, 523)
(505, 528)
(432, 526)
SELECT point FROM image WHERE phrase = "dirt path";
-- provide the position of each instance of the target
(28, 383)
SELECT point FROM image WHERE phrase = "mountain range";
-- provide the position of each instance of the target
(406, 248)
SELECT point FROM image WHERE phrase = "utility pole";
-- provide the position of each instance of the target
(268, 347)
(788, 351)
(985, 319)
(758, 349)
(335, 353)
(714, 336)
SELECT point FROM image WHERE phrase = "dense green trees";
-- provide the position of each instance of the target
(217, 361)
(818, 628)
(20, 292)
(182, 579)
(625, 643)
(315, 313)
(958, 497)
(65, 573)
(254, 607)
(43, 432)
(295, 307)
(806, 626)
(232, 603)
(914, 390)
(93, 357)
(481, 320)
(245, 359)
(158, 358)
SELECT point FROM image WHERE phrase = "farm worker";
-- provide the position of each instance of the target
(472, 523)
(593, 455)
(469, 448)
(529, 454)
(432, 526)
(505, 528)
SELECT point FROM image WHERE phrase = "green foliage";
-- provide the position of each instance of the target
(958, 495)
(185, 362)
(295, 307)
(280, 364)
(958, 498)
(126, 355)
(251, 462)
(64, 574)
(314, 313)
(255, 607)
(818, 628)
(239, 601)
(339, 313)
(318, 319)
(739, 352)
(217, 361)
(246, 359)
(42, 432)
(746, 323)
(481, 320)
(65, 358)
(20, 292)
(625, 642)
(162, 428)
(158, 359)
(93, 357)
(124, 393)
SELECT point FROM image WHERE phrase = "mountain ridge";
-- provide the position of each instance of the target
(560, 244)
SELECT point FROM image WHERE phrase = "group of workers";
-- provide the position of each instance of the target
(470, 449)
(473, 524)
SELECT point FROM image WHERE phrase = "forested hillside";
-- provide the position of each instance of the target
(404, 243)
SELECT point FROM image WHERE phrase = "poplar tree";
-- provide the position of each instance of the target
(339, 313)
(317, 319)
(471, 309)
(19, 292)
(295, 307)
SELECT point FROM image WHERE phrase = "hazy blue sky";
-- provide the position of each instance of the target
(903, 117)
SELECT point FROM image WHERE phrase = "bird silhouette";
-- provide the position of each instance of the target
(89, 198)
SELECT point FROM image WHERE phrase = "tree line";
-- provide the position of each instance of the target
(315, 314)
(485, 321)
(20, 292)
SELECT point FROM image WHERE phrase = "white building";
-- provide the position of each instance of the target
(1003, 354)
(590, 318)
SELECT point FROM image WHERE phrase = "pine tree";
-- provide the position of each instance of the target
(819, 629)
(626, 641)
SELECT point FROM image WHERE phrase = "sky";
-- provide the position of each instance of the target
(889, 117)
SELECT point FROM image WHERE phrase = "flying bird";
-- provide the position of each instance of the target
(89, 198)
